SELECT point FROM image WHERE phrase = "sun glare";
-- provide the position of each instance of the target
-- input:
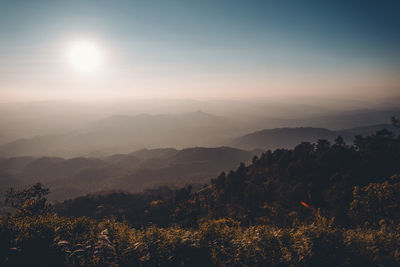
(84, 56)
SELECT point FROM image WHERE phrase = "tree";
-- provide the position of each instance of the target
(376, 202)
(395, 122)
(339, 141)
(30, 201)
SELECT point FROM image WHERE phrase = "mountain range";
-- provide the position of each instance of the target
(132, 172)
(64, 129)
(123, 133)
(148, 168)
(290, 137)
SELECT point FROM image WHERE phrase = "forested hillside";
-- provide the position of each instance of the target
(279, 187)
(290, 137)
(318, 204)
(285, 185)
(133, 172)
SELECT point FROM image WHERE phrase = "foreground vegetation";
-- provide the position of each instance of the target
(60, 241)
(36, 236)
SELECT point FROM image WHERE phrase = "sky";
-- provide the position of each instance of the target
(200, 49)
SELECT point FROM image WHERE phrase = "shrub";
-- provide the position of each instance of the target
(61, 241)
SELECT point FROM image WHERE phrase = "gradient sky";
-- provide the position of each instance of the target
(201, 49)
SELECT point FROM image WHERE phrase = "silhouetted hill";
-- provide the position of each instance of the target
(282, 137)
(123, 133)
(199, 154)
(162, 153)
(38, 167)
(132, 172)
(351, 118)
(14, 165)
(289, 137)
(49, 169)
(104, 133)
(7, 180)
(367, 130)
(122, 160)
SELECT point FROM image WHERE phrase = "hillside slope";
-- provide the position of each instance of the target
(131, 172)
(290, 137)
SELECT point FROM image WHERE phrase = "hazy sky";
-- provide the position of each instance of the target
(200, 49)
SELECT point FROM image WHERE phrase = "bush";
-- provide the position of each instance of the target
(376, 202)
(61, 241)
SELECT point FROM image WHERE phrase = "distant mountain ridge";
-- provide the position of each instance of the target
(125, 133)
(131, 172)
(110, 133)
(290, 137)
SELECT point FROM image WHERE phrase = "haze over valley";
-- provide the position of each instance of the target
(71, 129)
(78, 148)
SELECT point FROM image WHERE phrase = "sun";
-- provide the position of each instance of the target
(84, 56)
